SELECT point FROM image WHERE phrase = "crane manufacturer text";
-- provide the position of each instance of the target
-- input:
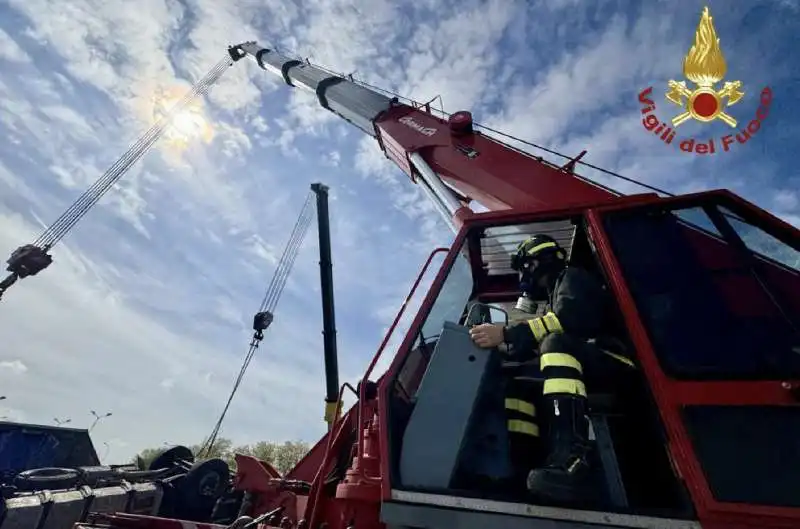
(416, 125)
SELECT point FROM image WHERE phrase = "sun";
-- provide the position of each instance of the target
(186, 125)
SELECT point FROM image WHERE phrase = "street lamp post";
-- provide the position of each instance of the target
(97, 418)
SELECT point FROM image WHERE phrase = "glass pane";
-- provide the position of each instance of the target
(708, 316)
(763, 243)
(749, 453)
(451, 303)
(698, 218)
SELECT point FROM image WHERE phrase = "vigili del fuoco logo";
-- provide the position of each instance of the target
(704, 66)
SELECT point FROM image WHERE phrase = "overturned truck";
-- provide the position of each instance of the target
(51, 477)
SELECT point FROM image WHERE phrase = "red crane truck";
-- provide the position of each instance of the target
(706, 289)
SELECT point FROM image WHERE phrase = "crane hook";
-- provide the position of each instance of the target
(27, 260)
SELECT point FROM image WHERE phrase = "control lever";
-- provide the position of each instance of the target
(488, 307)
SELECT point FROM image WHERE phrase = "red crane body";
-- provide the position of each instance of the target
(478, 166)
(709, 310)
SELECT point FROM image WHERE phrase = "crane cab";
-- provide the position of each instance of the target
(705, 300)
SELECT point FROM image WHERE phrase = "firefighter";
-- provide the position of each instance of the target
(575, 315)
(521, 398)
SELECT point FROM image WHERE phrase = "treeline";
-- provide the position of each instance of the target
(283, 456)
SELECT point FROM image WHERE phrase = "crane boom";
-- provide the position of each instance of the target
(444, 155)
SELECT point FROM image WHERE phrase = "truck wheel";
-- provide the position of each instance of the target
(47, 478)
(201, 487)
(172, 456)
(207, 479)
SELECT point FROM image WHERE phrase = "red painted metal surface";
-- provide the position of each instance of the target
(136, 521)
(671, 394)
(388, 335)
(397, 362)
(498, 177)
(264, 483)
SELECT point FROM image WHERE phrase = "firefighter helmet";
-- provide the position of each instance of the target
(536, 249)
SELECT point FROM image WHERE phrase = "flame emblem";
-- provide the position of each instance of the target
(705, 66)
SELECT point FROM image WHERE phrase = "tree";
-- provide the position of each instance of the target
(221, 449)
(282, 456)
(289, 454)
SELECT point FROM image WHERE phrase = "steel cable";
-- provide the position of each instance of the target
(76, 211)
(264, 302)
(281, 284)
(268, 303)
(53, 233)
(287, 258)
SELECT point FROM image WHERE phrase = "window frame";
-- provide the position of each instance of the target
(391, 377)
(671, 394)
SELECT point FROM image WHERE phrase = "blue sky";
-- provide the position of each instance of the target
(146, 311)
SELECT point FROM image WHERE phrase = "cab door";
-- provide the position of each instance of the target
(710, 289)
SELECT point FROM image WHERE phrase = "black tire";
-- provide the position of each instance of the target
(172, 456)
(207, 479)
(202, 486)
(47, 478)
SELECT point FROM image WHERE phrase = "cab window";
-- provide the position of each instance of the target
(450, 305)
(719, 298)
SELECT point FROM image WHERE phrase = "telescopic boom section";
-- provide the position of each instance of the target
(440, 155)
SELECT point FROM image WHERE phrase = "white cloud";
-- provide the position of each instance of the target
(10, 50)
(13, 367)
(455, 56)
(333, 158)
(116, 356)
(787, 200)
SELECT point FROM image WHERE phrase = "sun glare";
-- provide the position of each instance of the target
(186, 125)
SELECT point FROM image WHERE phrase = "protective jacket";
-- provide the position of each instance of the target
(577, 307)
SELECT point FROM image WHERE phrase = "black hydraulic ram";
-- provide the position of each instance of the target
(328, 312)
